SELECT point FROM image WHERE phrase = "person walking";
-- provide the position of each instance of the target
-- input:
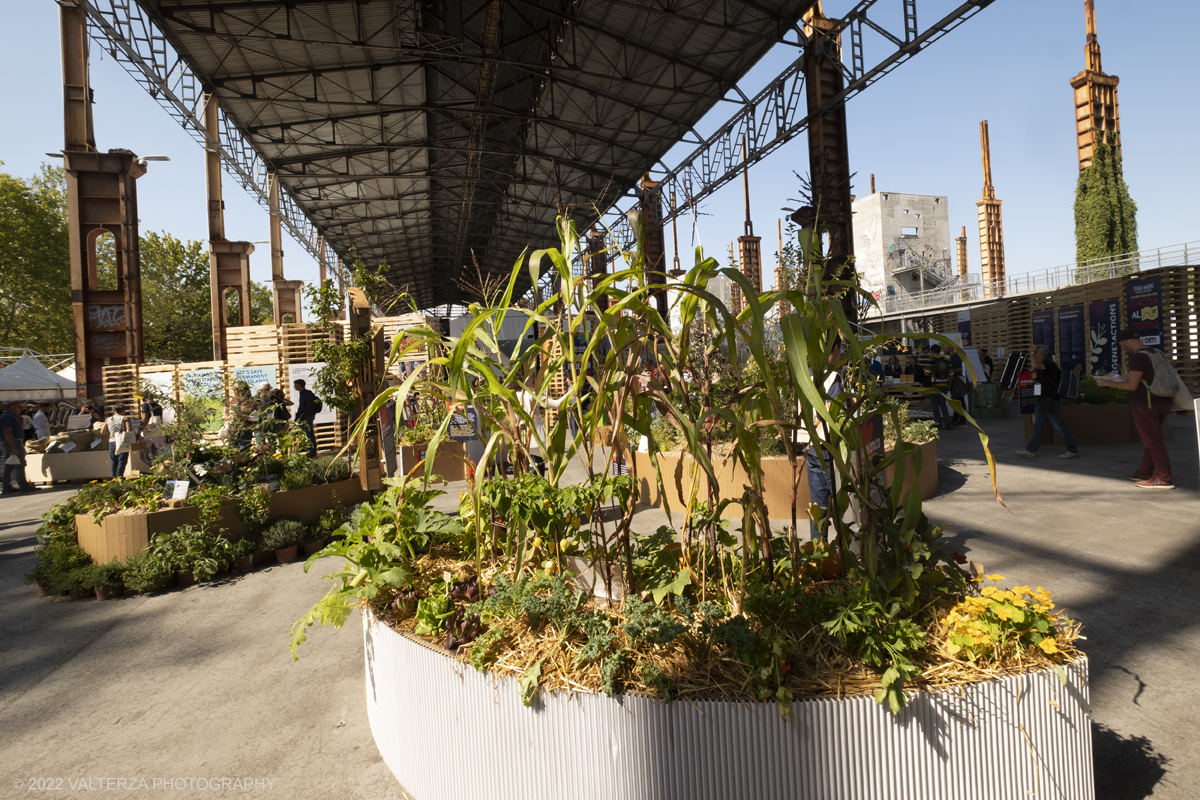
(1149, 410)
(12, 448)
(118, 424)
(989, 366)
(306, 414)
(938, 377)
(1047, 404)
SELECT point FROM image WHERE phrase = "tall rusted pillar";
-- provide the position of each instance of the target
(991, 229)
(749, 245)
(656, 246)
(1096, 108)
(961, 243)
(828, 151)
(101, 198)
(597, 263)
(228, 262)
(286, 294)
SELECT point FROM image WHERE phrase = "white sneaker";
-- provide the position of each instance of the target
(1025, 453)
(1069, 454)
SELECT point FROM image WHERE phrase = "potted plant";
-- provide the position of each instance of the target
(109, 580)
(243, 552)
(80, 582)
(284, 536)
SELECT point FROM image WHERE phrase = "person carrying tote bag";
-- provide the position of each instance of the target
(120, 437)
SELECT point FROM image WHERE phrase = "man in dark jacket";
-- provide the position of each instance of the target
(306, 414)
(12, 448)
(1048, 405)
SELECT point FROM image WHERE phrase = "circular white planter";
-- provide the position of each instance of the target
(447, 731)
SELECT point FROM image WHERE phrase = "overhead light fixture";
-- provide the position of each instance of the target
(56, 155)
(142, 161)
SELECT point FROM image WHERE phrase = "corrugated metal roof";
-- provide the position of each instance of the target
(415, 133)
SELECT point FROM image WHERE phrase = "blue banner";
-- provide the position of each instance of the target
(1043, 329)
(1073, 348)
(1143, 304)
(1104, 321)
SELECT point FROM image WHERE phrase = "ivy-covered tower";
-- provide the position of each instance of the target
(1105, 216)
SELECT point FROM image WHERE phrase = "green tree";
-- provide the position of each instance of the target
(176, 306)
(262, 306)
(35, 263)
(1105, 215)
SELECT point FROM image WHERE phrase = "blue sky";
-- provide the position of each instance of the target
(917, 129)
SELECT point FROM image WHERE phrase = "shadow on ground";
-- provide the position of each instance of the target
(1127, 768)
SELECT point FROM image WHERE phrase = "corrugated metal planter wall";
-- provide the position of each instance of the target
(447, 731)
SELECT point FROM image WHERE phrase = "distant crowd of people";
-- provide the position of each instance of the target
(264, 415)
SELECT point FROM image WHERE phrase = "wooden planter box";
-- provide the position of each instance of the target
(446, 463)
(1020, 736)
(121, 535)
(777, 482)
(1091, 425)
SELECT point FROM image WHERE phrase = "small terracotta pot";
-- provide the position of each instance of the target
(43, 590)
(79, 594)
(312, 547)
(185, 578)
(243, 564)
(285, 554)
(265, 557)
(109, 592)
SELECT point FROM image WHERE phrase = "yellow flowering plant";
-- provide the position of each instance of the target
(999, 624)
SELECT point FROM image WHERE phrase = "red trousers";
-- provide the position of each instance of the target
(1149, 421)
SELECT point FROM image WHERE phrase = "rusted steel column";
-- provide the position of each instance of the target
(77, 91)
(597, 264)
(828, 152)
(286, 294)
(991, 226)
(1096, 108)
(101, 198)
(656, 247)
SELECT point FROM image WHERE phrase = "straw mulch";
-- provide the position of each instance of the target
(822, 668)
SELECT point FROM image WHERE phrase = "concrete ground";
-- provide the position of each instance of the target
(197, 684)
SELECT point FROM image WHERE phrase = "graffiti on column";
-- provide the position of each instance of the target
(107, 344)
(106, 317)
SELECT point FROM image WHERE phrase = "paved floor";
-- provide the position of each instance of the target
(197, 684)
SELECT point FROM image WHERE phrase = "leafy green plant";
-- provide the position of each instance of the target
(110, 574)
(283, 533)
(255, 508)
(297, 475)
(331, 469)
(58, 558)
(191, 547)
(144, 572)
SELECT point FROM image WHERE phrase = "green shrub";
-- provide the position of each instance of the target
(1092, 392)
(331, 469)
(246, 546)
(283, 533)
(58, 558)
(110, 574)
(145, 573)
(255, 508)
(297, 476)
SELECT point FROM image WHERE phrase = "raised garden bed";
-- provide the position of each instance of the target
(1093, 424)
(777, 481)
(122, 535)
(446, 462)
(1020, 736)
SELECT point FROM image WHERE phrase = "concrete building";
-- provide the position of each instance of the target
(902, 243)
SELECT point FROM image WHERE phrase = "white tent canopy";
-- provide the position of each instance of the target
(27, 379)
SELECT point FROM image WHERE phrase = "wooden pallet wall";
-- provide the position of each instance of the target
(1008, 323)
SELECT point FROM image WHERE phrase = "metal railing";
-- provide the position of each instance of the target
(971, 289)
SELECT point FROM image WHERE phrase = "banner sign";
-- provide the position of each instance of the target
(463, 424)
(1026, 383)
(1043, 329)
(964, 327)
(1143, 303)
(1104, 320)
(255, 377)
(1074, 344)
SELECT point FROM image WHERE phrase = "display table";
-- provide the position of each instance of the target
(86, 465)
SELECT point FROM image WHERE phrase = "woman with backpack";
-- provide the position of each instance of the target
(1048, 405)
(1150, 378)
